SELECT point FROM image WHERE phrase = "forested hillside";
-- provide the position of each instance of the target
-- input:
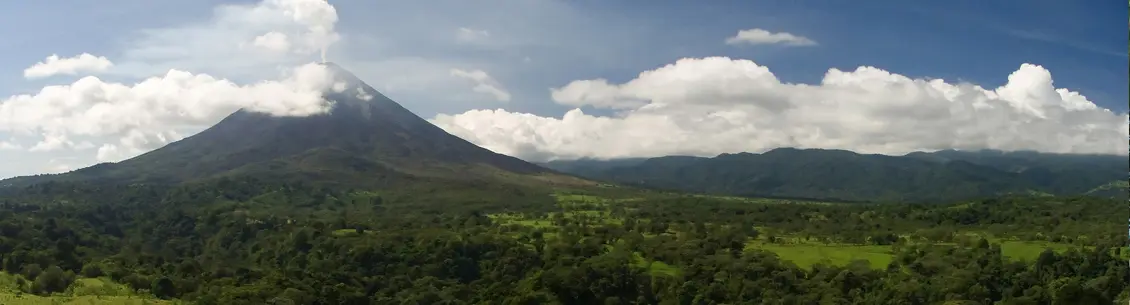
(942, 176)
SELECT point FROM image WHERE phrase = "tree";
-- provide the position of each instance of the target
(32, 271)
(164, 288)
(54, 279)
(91, 270)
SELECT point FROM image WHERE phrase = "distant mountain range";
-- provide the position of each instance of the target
(372, 142)
(843, 175)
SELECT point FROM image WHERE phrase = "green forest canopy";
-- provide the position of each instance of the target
(244, 241)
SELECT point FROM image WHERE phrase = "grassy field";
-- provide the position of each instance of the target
(513, 219)
(349, 232)
(656, 268)
(85, 291)
(807, 254)
(27, 299)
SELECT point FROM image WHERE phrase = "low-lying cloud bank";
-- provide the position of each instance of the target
(708, 106)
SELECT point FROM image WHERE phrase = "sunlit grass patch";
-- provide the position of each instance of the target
(29, 299)
(654, 267)
(600, 217)
(1022, 250)
(533, 223)
(521, 220)
(84, 291)
(546, 222)
(350, 232)
(1029, 250)
(99, 287)
(581, 201)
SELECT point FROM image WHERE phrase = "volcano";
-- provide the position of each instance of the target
(365, 139)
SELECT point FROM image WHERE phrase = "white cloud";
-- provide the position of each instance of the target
(361, 94)
(52, 142)
(469, 34)
(135, 143)
(54, 65)
(310, 22)
(484, 83)
(10, 145)
(175, 80)
(56, 166)
(273, 41)
(246, 41)
(759, 36)
(707, 106)
(84, 145)
(317, 16)
(146, 115)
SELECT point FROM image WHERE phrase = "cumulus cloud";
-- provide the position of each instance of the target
(146, 115)
(10, 145)
(240, 40)
(759, 36)
(56, 166)
(484, 83)
(177, 80)
(134, 143)
(311, 22)
(469, 34)
(361, 94)
(273, 41)
(317, 18)
(52, 142)
(54, 65)
(708, 106)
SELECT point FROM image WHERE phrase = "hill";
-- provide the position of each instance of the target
(365, 140)
(587, 167)
(843, 175)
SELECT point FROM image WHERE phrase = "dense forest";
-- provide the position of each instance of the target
(246, 241)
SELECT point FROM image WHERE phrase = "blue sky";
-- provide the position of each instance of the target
(1082, 43)
(406, 49)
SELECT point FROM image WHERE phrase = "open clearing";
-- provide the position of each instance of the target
(28, 299)
(85, 291)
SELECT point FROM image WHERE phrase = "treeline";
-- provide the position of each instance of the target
(246, 242)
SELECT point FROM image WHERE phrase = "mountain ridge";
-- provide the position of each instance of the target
(844, 175)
